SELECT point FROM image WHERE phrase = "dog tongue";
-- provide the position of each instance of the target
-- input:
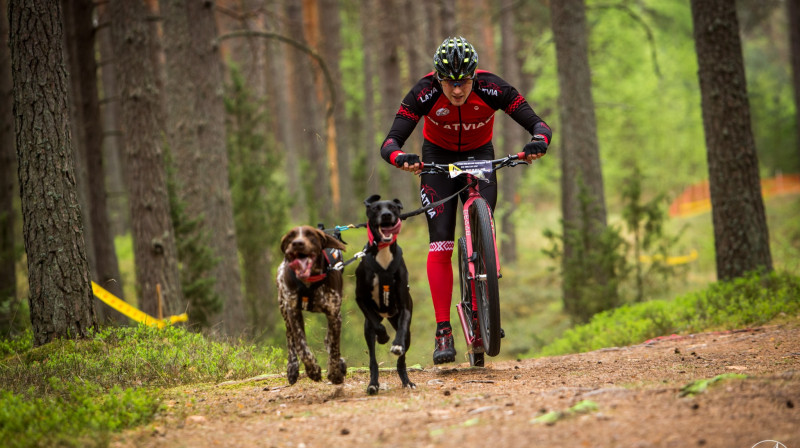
(387, 232)
(302, 267)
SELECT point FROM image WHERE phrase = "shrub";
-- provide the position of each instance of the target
(74, 393)
(750, 300)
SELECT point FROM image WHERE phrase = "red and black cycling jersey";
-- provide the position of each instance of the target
(459, 128)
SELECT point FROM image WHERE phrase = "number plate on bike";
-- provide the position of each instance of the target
(478, 168)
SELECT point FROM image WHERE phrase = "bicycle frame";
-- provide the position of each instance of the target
(473, 189)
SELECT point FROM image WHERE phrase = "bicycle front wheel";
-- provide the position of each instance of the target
(475, 359)
(486, 285)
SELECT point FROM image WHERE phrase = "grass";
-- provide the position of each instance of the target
(752, 300)
(75, 393)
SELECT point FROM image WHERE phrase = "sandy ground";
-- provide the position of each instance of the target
(625, 397)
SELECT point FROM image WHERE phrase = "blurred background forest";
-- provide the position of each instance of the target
(305, 93)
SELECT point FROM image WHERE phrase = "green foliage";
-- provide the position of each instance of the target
(195, 255)
(552, 417)
(645, 222)
(21, 343)
(701, 385)
(73, 393)
(591, 259)
(134, 356)
(750, 300)
(260, 204)
(75, 414)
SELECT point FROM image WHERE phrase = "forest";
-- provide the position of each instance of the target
(161, 149)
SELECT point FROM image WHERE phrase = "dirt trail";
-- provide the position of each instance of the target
(636, 391)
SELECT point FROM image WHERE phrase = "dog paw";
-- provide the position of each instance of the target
(335, 377)
(292, 373)
(397, 350)
(372, 389)
(410, 385)
(381, 335)
(315, 373)
(337, 372)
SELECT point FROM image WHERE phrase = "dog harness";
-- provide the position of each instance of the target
(388, 299)
(307, 287)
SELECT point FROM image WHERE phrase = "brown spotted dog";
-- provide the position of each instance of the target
(308, 282)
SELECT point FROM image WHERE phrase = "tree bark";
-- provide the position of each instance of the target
(60, 290)
(331, 50)
(401, 185)
(373, 159)
(142, 113)
(793, 11)
(741, 237)
(89, 148)
(580, 156)
(113, 159)
(196, 132)
(8, 275)
(513, 135)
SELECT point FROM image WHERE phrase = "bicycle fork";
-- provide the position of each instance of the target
(471, 336)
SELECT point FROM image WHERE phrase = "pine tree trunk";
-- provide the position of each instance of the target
(8, 163)
(60, 290)
(331, 50)
(196, 132)
(401, 185)
(113, 158)
(367, 9)
(513, 136)
(741, 237)
(100, 241)
(793, 11)
(580, 156)
(142, 113)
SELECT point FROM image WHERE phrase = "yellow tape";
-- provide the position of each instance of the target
(683, 259)
(139, 316)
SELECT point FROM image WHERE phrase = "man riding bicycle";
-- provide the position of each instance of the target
(458, 103)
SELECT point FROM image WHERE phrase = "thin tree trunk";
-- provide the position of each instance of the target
(196, 132)
(741, 237)
(401, 185)
(447, 16)
(341, 145)
(8, 156)
(367, 9)
(75, 99)
(136, 48)
(113, 159)
(793, 11)
(59, 278)
(513, 136)
(100, 241)
(580, 156)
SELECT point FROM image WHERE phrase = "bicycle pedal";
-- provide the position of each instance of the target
(502, 333)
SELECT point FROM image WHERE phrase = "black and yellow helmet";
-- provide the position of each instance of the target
(455, 59)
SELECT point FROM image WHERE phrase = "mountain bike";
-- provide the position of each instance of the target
(478, 261)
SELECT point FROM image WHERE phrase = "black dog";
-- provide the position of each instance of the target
(382, 287)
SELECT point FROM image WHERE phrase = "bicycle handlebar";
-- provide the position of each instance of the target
(442, 168)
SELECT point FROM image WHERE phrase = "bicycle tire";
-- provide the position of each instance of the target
(475, 359)
(486, 281)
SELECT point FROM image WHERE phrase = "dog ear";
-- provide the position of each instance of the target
(330, 241)
(371, 199)
(287, 239)
(398, 203)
